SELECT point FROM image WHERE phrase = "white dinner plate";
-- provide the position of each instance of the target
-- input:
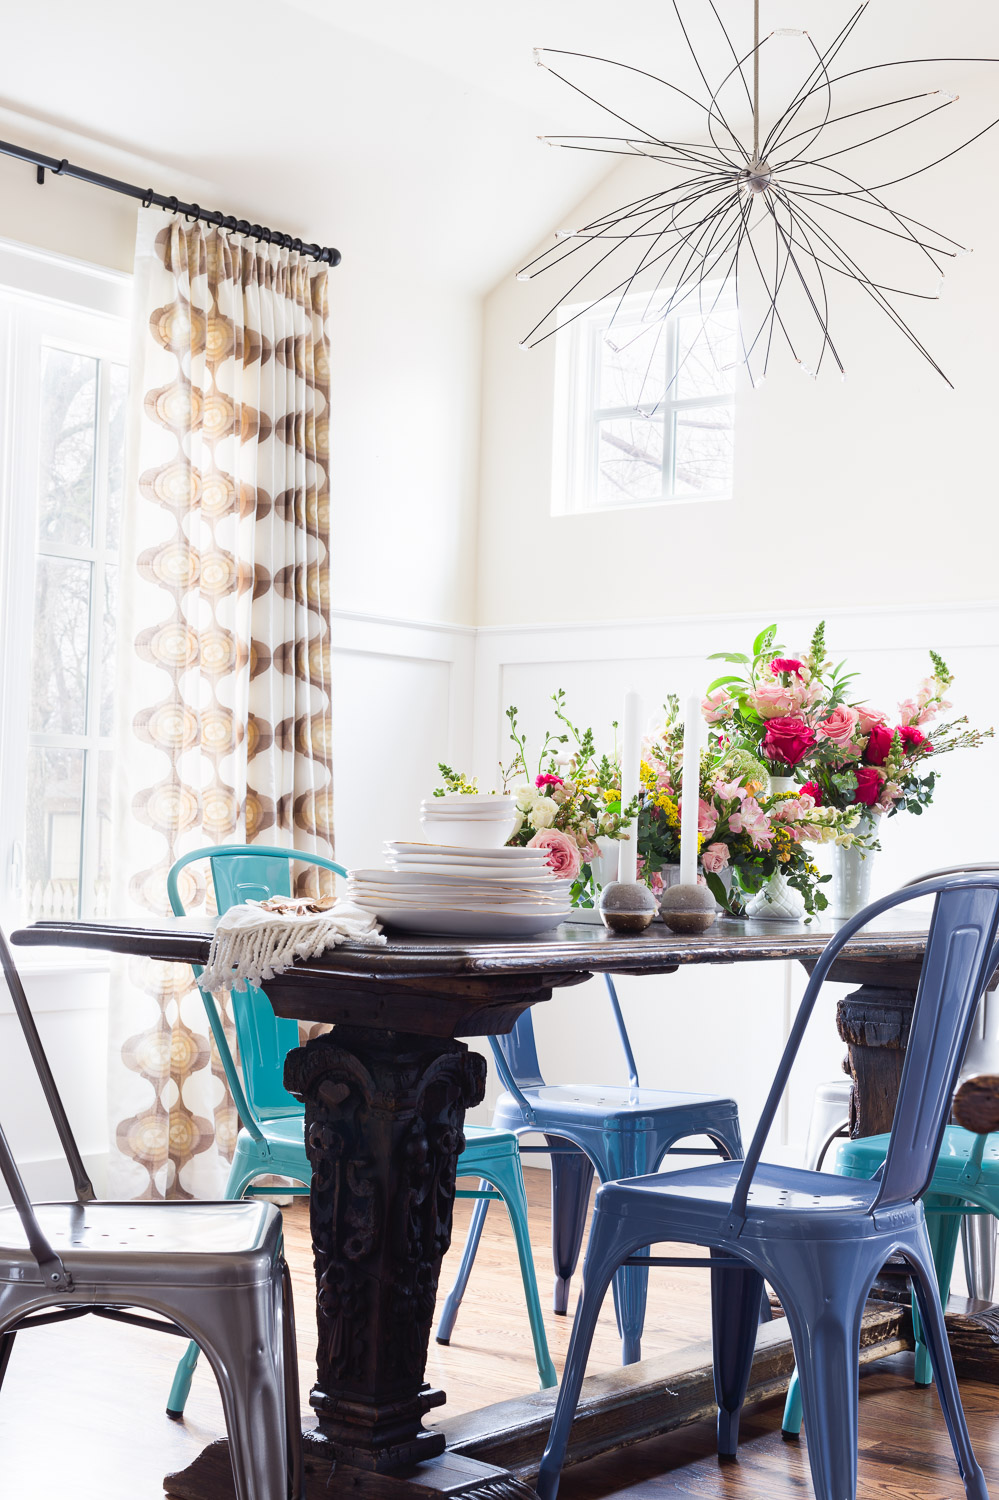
(450, 880)
(469, 871)
(470, 924)
(503, 853)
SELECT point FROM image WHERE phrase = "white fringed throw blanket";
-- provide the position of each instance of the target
(259, 939)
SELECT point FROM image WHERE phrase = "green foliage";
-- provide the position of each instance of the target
(455, 781)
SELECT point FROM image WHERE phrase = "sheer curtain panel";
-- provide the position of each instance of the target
(223, 712)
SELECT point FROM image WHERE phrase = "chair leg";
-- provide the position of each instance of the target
(935, 1334)
(735, 1318)
(292, 1394)
(825, 1327)
(790, 1425)
(6, 1350)
(978, 1231)
(245, 1343)
(632, 1155)
(943, 1230)
(508, 1180)
(449, 1311)
(572, 1178)
(603, 1255)
(241, 1174)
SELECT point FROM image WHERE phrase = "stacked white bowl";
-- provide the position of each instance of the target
(478, 822)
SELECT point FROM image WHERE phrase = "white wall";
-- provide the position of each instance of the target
(878, 489)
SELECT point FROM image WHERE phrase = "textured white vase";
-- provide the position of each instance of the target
(782, 784)
(776, 901)
(851, 879)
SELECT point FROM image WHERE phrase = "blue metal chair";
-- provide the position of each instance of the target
(818, 1239)
(619, 1132)
(271, 1141)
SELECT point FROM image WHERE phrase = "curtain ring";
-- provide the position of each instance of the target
(215, 219)
(171, 205)
(194, 215)
(147, 201)
(58, 171)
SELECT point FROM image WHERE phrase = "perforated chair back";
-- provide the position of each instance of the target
(961, 953)
(251, 873)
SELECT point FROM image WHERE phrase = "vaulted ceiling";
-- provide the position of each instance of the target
(402, 132)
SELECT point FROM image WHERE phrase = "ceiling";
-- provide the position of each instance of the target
(403, 133)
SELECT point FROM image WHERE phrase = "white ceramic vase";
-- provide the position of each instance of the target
(851, 876)
(776, 901)
(782, 784)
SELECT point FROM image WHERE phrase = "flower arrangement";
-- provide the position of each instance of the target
(567, 798)
(746, 834)
(793, 714)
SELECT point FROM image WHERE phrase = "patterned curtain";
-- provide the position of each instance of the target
(224, 645)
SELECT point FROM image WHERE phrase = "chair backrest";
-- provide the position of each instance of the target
(961, 952)
(53, 1272)
(242, 872)
(516, 1054)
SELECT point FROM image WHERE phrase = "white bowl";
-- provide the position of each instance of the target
(474, 833)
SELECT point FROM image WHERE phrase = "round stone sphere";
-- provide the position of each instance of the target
(688, 908)
(627, 906)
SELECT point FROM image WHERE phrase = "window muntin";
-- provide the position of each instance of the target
(63, 383)
(644, 412)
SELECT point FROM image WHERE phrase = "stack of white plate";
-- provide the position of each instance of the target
(440, 888)
(481, 822)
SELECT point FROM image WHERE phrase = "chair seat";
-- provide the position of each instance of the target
(484, 1141)
(863, 1157)
(604, 1105)
(221, 1244)
(696, 1201)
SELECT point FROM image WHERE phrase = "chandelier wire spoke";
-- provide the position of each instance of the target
(707, 228)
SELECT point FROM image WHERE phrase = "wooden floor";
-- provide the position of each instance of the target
(82, 1408)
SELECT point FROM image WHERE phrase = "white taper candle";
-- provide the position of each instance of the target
(690, 790)
(631, 759)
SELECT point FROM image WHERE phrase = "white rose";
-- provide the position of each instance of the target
(518, 827)
(525, 798)
(543, 813)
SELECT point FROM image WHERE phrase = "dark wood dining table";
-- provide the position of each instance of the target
(385, 1094)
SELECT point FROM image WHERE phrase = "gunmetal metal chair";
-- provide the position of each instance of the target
(620, 1132)
(214, 1272)
(818, 1239)
(271, 1140)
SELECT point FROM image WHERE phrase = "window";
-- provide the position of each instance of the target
(63, 383)
(644, 412)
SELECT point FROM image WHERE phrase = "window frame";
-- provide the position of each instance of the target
(46, 301)
(577, 417)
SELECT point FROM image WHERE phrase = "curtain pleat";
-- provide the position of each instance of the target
(224, 711)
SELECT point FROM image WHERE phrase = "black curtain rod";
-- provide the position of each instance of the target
(147, 198)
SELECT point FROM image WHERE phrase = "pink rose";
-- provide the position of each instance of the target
(839, 726)
(788, 740)
(717, 706)
(714, 858)
(868, 717)
(774, 700)
(563, 852)
(878, 745)
(868, 785)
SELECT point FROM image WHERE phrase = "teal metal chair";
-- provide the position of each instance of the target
(271, 1140)
(965, 1183)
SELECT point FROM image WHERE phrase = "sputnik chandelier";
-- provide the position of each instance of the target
(774, 211)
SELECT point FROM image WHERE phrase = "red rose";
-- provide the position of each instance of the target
(913, 739)
(868, 785)
(813, 790)
(786, 664)
(878, 745)
(787, 740)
